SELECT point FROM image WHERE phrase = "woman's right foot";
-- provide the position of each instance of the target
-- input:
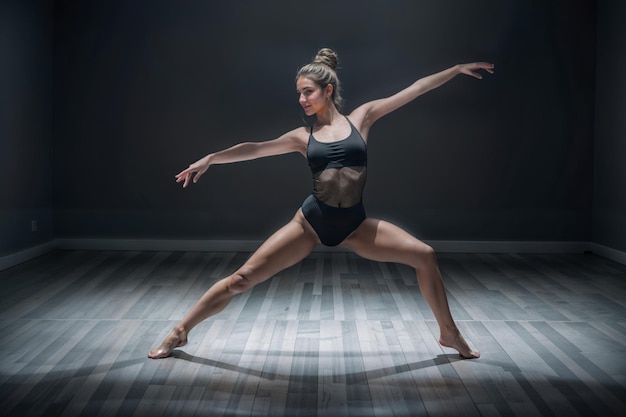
(176, 338)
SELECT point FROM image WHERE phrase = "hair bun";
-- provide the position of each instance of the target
(327, 57)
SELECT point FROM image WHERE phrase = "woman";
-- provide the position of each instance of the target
(335, 147)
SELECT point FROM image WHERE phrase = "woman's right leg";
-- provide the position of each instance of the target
(289, 245)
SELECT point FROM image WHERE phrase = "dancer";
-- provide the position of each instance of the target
(336, 149)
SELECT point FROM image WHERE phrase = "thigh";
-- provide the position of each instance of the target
(382, 241)
(286, 247)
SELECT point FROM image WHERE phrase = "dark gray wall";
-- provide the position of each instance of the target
(144, 88)
(25, 123)
(609, 209)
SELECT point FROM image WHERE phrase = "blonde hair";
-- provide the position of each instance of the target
(322, 71)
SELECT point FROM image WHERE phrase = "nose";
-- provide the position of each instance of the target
(302, 99)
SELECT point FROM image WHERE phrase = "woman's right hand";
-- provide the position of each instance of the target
(194, 172)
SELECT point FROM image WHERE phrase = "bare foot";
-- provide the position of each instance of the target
(176, 338)
(458, 342)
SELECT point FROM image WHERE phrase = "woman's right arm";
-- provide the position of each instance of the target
(289, 142)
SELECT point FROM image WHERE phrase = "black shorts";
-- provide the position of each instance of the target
(332, 224)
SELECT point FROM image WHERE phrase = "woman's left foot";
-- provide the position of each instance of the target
(458, 342)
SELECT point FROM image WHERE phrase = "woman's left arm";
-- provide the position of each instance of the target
(374, 110)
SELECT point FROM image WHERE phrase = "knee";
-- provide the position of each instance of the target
(240, 281)
(425, 256)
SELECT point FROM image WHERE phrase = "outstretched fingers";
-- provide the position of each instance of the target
(473, 69)
(188, 175)
(183, 177)
(487, 66)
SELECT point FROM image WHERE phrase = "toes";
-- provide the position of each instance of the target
(166, 349)
(461, 346)
(472, 355)
(158, 354)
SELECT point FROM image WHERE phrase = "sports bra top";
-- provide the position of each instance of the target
(339, 169)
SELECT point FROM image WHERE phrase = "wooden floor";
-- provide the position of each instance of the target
(334, 336)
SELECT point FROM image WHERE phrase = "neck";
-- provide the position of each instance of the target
(327, 116)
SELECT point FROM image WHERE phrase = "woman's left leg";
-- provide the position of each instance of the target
(381, 241)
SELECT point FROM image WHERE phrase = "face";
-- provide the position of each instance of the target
(311, 96)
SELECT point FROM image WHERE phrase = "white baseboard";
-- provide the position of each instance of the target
(161, 245)
(609, 253)
(251, 245)
(166, 245)
(17, 258)
(453, 246)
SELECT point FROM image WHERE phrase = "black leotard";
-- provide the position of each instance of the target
(339, 169)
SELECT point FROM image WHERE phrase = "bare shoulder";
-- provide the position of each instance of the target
(359, 118)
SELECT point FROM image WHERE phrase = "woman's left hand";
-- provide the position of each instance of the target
(472, 69)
